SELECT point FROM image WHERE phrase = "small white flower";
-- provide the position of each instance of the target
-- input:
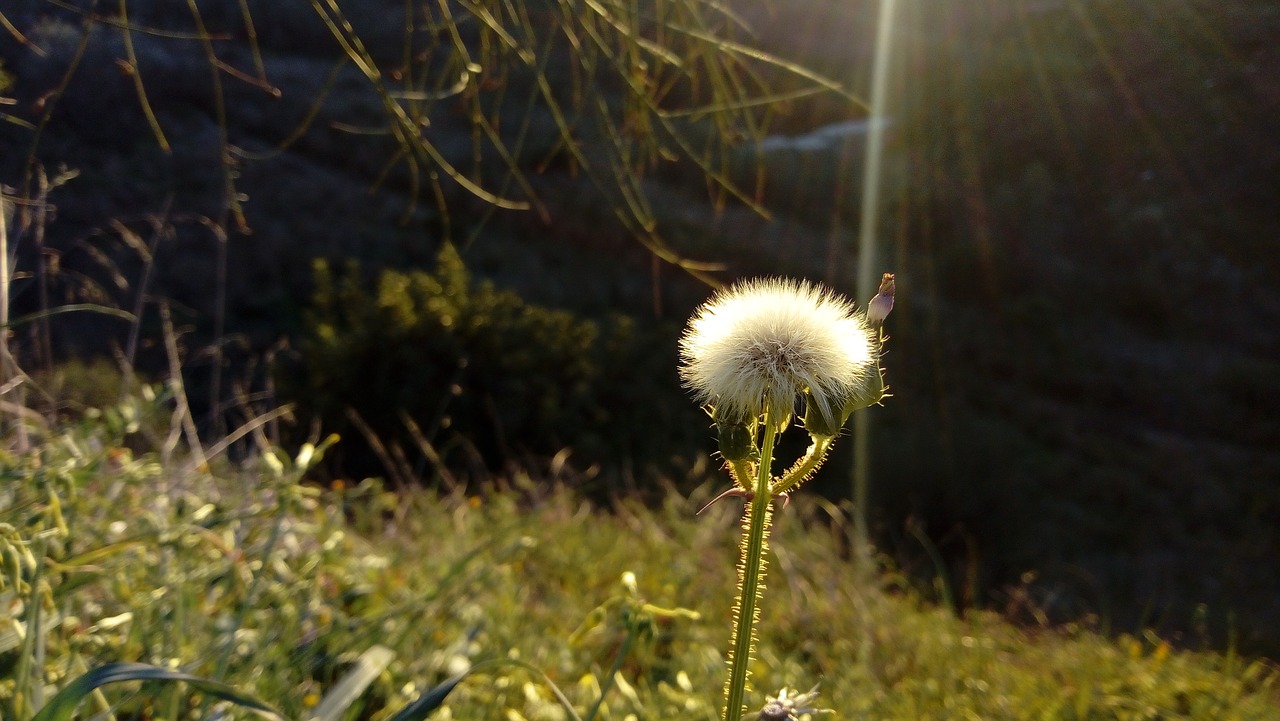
(788, 705)
(757, 346)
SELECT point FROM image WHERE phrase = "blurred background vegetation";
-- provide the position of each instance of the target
(493, 219)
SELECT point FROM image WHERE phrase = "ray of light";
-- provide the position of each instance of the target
(868, 242)
(1035, 51)
(1136, 109)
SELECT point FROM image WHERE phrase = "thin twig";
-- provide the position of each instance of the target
(245, 429)
(11, 376)
(429, 451)
(398, 476)
(182, 411)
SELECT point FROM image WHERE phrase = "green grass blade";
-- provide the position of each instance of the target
(428, 702)
(69, 308)
(433, 698)
(17, 121)
(367, 668)
(63, 705)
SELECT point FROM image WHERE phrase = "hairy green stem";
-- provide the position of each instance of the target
(750, 579)
(804, 468)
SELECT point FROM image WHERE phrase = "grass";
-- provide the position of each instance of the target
(243, 573)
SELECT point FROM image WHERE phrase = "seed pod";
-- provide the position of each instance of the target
(820, 423)
(737, 432)
(871, 394)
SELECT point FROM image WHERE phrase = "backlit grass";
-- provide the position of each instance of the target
(243, 574)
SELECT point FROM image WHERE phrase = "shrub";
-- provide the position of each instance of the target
(80, 384)
(483, 374)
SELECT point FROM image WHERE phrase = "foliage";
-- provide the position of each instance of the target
(245, 576)
(82, 384)
(480, 373)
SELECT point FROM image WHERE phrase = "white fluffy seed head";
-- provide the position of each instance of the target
(756, 347)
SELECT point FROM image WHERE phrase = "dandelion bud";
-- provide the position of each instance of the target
(880, 306)
(827, 423)
(737, 442)
(737, 433)
(869, 395)
(820, 423)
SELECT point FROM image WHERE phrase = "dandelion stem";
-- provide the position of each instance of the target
(750, 578)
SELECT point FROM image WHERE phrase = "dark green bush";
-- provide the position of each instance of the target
(77, 384)
(483, 374)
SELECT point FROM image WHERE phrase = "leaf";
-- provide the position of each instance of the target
(367, 668)
(63, 706)
(429, 701)
(69, 308)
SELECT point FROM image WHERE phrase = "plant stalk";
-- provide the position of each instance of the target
(751, 572)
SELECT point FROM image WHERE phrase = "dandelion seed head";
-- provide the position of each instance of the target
(757, 346)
